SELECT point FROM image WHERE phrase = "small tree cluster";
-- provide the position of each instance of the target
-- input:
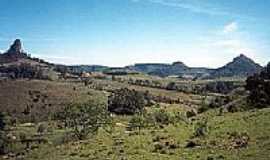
(258, 86)
(126, 101)
(156, 118)
(86, 118)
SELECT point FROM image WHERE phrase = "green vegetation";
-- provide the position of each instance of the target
(125, 101)
(132, 119)
(241, 135)
(86, 118)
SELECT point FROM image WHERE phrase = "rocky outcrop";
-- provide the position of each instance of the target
(16, 47)
(14, 53)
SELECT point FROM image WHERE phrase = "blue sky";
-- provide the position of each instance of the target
(206, 33)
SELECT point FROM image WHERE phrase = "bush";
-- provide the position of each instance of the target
(42, 128)
(200, 129)
(86, 118)
(218, 102)
(171, 86)
(2, 121)
(204, 106)
(190, 113)
(137, 122)
(125, 101)
(161, 116)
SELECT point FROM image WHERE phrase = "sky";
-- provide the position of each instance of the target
(205, 33)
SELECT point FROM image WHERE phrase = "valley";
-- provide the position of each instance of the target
(51, 111)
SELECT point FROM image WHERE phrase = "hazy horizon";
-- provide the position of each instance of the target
(124, 32)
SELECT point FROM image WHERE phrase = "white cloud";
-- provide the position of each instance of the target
(231, 27)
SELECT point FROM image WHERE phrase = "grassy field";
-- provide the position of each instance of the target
(211, 135)
(170, 142)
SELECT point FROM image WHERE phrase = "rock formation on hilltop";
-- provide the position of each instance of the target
(16, 47)
(14, 53)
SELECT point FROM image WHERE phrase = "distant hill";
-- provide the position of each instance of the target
(240, 66)
(174, 69)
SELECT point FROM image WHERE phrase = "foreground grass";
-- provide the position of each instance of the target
(216, 144)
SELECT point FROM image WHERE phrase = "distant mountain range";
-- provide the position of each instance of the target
(241, 66)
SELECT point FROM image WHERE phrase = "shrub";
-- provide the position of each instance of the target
(137, 122)
(86, 118)
(42, 128)
(192, 144)
(218, 102)
(204, 106)
(2, 121)
(171, 86)
(125, 101)
(200, 129)
(161, 116)
(190, 113)
(141, 120)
